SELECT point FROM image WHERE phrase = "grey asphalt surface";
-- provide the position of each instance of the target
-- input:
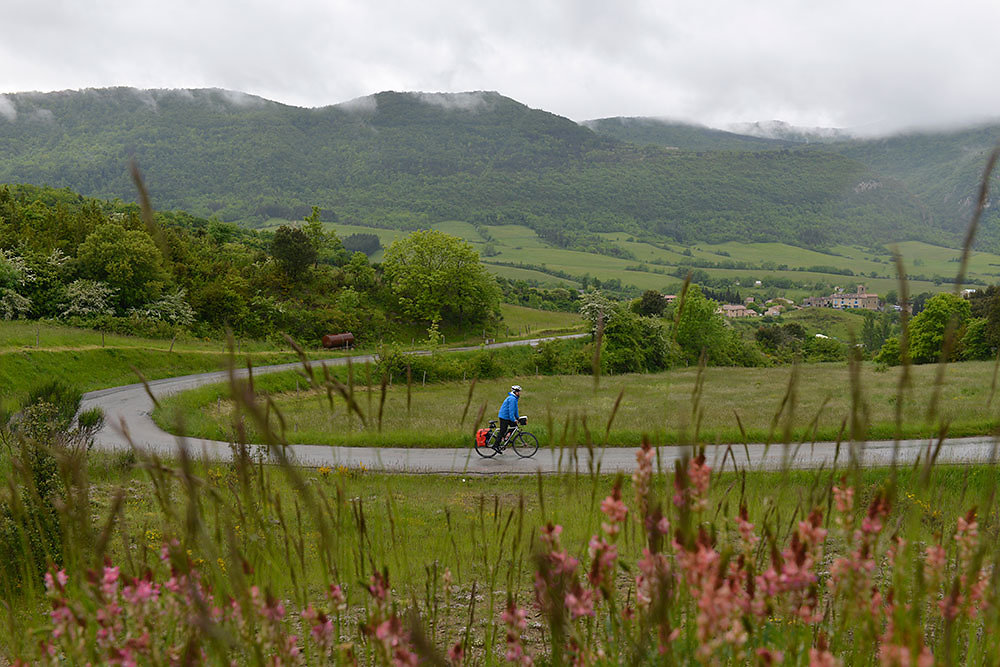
(128, 423)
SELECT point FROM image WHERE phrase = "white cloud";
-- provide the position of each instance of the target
(7, 108)
(360, 105)
(42, 116)
(473, 101)
(853, 63)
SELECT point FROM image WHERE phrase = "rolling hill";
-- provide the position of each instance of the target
(407, 160)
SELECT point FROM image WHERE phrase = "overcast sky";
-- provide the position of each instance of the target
(862, 64)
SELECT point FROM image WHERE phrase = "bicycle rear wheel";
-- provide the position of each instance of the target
(486, 452)
(525, 444)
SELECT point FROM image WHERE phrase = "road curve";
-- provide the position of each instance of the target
(128, 423)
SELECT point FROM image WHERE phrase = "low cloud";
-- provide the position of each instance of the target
(238, 99)
(471, 102)
(7, 108)
(42, 116)
(359, 105)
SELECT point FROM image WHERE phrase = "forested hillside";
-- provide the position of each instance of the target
(940, 170)
(684, 136)
(407, 160)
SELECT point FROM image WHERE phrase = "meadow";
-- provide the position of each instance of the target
(31, 352)
(713, 405)
(157, 560)
(546, 264)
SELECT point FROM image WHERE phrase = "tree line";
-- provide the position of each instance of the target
(96, 264)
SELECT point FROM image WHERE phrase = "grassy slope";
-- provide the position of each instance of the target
(31, 353)
(658, 405)
(78, 357)
(519, 244)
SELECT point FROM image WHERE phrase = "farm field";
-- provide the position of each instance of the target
(532, 321)
(568, 409)
(517, 244)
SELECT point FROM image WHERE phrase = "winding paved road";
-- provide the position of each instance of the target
(128, 422)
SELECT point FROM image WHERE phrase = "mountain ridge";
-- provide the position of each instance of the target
(407, 159)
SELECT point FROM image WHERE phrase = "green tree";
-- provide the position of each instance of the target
(438, 278)
(294, 251)
(359, 272)
(635, 344)
(651, 304)
(699, 327)
(127, 260)
(976, 344)
(928, 329)
(329, 247)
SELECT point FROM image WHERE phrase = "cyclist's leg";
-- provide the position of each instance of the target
(505, 425)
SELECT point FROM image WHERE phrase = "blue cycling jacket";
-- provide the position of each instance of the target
(508, 410)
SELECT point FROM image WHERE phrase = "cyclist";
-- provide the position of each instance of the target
(508, 414)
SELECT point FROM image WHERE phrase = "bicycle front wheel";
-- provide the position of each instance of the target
(525, 444)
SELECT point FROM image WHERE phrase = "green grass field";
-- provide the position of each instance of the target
(31, 353)
(568, 410)
(520, 244)
(456, 549)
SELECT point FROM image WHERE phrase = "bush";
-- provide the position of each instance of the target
(30, 529)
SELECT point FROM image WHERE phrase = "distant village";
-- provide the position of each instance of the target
(840, 299)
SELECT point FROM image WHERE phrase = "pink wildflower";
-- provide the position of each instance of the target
(642, 476)
(379, 588)
(967, 537)
(935, 558)
(273, 609)
(456, 654)
(615, 509)
(141, 590)
(109, 582)
(336, 596)
(745, 528)
(691, 485)
(603, 557)
(700, 474)
(321, 626)
(844, 499)
(769, 657)
(580, 602)
(57, 582)
(550, 535)
(515, 618)
(822, 658)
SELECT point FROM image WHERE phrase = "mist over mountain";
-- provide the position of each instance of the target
(406, 160)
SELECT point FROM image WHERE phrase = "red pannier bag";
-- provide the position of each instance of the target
(482, 435)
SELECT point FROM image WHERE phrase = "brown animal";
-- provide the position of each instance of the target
(338, 340)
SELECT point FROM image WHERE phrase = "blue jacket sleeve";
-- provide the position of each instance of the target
(508, 410)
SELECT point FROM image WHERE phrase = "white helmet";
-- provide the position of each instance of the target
(516, 387)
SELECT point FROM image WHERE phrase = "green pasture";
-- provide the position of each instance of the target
(520, 244)
(32, 353)
(671, 407)
(839, 324)
(515, 273)
(539, 322)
